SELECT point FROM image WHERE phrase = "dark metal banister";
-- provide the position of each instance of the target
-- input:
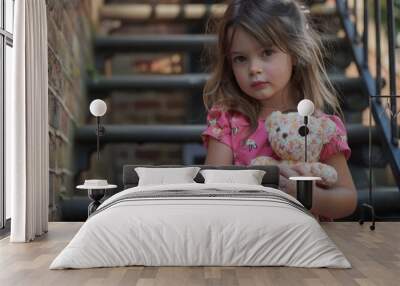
(372, 87)
(365, 35)
(378, 18)
(392, 72)
(355, 11)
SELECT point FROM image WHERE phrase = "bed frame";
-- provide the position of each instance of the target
(271, 178)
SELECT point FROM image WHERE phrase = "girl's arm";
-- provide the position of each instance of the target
(341, 199)
(218, 153)
(337, 201)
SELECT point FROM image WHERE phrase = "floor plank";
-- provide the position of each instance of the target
(374, 255)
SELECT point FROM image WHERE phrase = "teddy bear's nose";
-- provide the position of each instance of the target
(284, 135)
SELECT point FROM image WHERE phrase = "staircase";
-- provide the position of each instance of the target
(353, 91)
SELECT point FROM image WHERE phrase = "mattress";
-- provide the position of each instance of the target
(201, 225)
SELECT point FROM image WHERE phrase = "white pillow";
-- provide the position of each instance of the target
(163, 176)
(249, 177)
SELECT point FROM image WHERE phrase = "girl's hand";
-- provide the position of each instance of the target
(310, 170)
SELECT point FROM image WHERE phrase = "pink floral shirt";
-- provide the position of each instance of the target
(231, 128)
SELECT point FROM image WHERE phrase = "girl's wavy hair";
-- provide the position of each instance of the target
(283, 24)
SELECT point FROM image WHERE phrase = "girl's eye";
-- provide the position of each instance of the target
(267, 53)
(239, 59)
(278, 129)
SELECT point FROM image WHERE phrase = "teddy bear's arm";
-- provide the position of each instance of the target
(263, 161)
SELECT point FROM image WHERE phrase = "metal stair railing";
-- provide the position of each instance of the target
(387, 127)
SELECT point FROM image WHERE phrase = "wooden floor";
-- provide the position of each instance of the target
(374, 255)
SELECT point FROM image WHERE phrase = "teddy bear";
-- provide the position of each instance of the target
(288, 144)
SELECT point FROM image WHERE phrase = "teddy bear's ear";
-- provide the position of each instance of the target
(275, 114)
(329, 129)
(272, 119)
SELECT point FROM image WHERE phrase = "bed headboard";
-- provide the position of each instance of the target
(271, 178)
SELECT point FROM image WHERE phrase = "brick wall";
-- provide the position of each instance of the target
(69, 56)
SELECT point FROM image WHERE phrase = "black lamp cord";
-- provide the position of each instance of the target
(98, 137)
(305, 137)
(369, 204)
(370, 155)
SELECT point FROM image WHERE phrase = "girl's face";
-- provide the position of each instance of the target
(261, 72)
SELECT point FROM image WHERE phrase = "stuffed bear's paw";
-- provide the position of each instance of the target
(327, 173)
(263, 161)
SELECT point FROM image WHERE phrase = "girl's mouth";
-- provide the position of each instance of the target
(259, 85)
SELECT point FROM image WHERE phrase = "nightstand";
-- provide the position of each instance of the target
(305, 189)
(96, 190)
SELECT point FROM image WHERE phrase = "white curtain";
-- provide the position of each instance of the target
(27, 147)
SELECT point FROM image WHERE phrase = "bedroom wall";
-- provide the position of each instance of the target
(69, 57)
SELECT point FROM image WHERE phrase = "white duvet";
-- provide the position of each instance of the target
(185, 231)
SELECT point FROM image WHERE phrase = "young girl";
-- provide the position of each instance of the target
(269, 59)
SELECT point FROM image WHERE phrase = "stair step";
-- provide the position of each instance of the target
(162, 133)
(311, 2)
(323, 10)
(139, 13)
(345, 85)
(360, 154)
(150, 13)
(101, 85)
(152, 82)
(182, 42)
(334, 42)
(152, 43)
(386, 202)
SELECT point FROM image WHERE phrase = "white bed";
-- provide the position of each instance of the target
(257, 226)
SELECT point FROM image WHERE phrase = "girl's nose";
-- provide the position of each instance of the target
(255, 70)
